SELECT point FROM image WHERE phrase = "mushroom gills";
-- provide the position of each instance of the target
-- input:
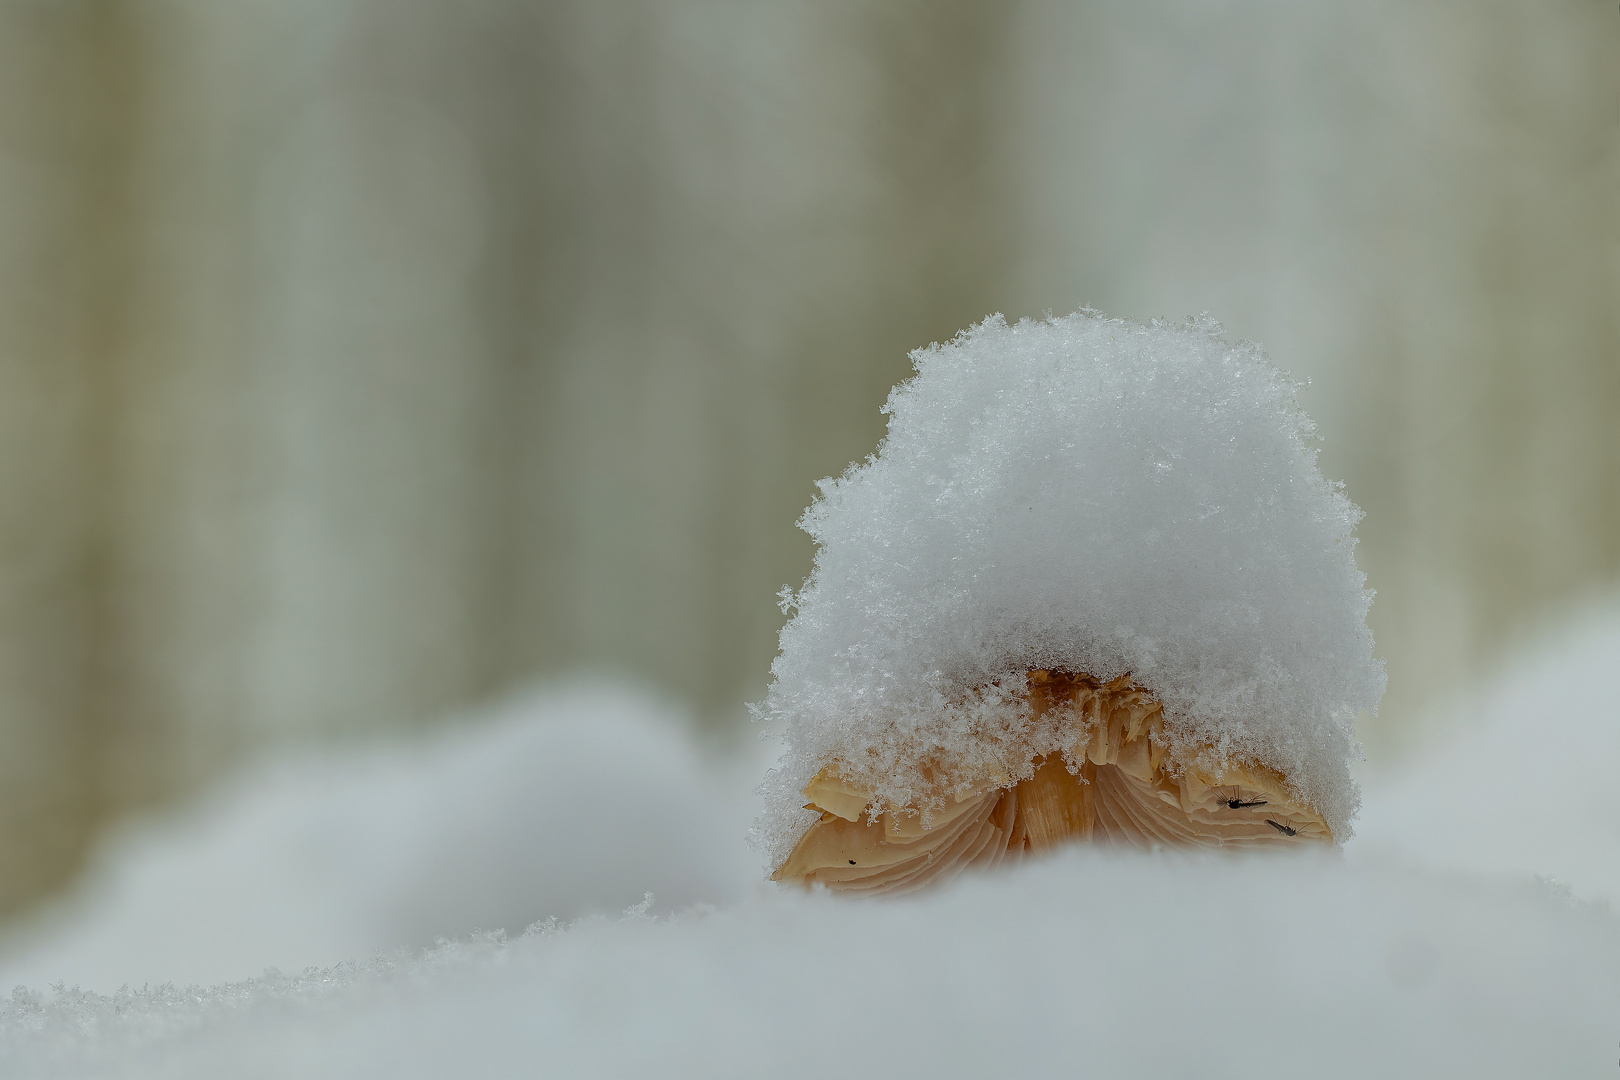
(1122, 793)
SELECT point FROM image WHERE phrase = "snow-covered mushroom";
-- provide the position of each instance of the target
(1092, 586)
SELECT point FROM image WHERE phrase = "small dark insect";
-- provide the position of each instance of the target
(852, 862)
(1281, 827)
(1239, 804)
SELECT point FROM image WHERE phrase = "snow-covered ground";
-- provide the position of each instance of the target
(1521, 776)
(1081, 966)
(1470, 929)
(557, 803)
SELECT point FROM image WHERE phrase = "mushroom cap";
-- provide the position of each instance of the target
(1117, 783)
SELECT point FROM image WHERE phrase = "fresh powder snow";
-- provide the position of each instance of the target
(1517, 774)
(558, 801)
(1090, 963)
(1086, 494)
(1403, 956)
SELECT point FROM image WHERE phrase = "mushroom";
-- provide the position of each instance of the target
(1116, 785)
(1092, 587)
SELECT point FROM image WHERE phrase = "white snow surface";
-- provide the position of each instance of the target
(1083, 965)
(1519, 775)
(558, 802)
(1467, 931)
(1085, 494)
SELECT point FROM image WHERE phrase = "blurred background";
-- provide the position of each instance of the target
(361, 361)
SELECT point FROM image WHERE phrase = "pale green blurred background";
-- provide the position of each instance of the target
(360, 360)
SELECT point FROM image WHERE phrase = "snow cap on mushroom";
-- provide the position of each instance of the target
(1082, 494)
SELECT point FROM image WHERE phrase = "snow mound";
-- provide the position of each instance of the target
(559, 802)
(1354, 962)
(1091, 495)
(1520, 778)
(1084, 964)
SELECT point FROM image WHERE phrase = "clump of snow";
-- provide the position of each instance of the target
(1085, 494)
(1519, 778)
(1084, 964)
(559, 802)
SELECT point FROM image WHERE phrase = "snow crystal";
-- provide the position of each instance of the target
(1084, 494)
